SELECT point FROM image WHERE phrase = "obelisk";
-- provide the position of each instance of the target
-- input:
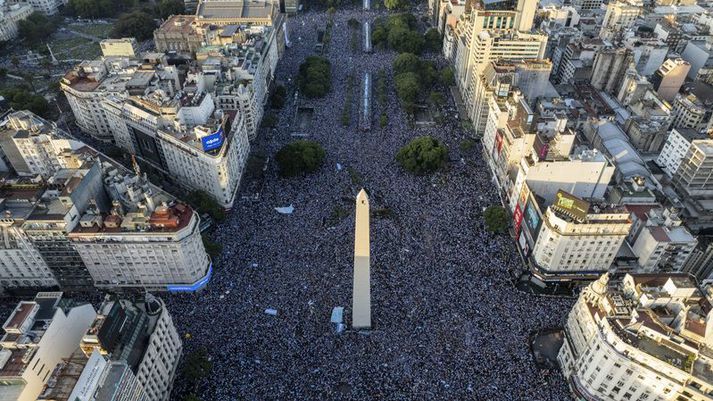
(361, 298)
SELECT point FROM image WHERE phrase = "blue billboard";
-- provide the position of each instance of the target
(213, 141)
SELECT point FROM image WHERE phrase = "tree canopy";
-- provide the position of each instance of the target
(137, 24)
(99, 8)
(496, 219)
(433, 40)
(413, 77)
(277, 98)
(398, 32)
(205, 203)
(447, 76)
(424, 154)
(167, 8)
(408, 87)
(37, 28)
(300, 157)
(395, 4)
(21, 99)
(196, 367)
(315, 77)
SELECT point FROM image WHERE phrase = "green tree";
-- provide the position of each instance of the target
(137, 24)
(3, 73)
(315, 77)
(406, 62)
(353, 23)
(496, 219)
(379, 36)
(436, 99)
(203, 202)
(394, 4)
(300, 157)
(20, 98)
(424, 154)
(192, 397)
(167, 8)
(432, 40)
(447, 76)
(408, 87)
(405, 41)
(277, 98)
(213, 249)
(196, 367)
(36, 28)
(15, 62)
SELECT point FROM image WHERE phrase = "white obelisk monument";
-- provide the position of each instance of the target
(361, 298)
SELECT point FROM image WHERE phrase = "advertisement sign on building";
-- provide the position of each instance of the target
(517, 217)
(499, 141)
(524, 194)
(213, 141)
(571, 205)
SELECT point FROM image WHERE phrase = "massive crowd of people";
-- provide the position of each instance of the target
(447, 321)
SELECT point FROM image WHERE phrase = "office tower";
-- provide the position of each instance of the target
(669, 78)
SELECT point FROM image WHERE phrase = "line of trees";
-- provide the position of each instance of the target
(315, 77)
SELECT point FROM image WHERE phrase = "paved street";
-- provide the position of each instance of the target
(448, 324)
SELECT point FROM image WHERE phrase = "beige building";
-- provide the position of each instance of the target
(576, 237)
(639, 337)
(124, 47)
(178, 34)
(619, 16)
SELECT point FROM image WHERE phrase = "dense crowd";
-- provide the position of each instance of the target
(447, 321)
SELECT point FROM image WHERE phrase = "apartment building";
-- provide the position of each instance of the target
(639, 337)
(674, 150)
(93, 377)
(694, 175)
(39, 335)
(142, 336)
(10, 17)
(31, 145)
(47, 7)
(690, 112)
(89, 83)
(619, 16)
(573, 236)
(660, 241)
(669, 78)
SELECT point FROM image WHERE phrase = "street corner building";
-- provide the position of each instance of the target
(640, 337)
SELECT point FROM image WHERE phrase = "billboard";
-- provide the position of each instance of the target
(499, 141)
(524, 194)
(571, 205)
(213, 141)
(517, 217)
(532, 221)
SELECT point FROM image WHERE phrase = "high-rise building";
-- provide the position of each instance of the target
(39, 335)
(60, 227)
(92, 377)
(574, 237)
(639, 337)
(32, 146)
(619, 16)
(690, 112)
(660, 242)
(47, 7)
(609, 68)
(677, 144)
(669, 78)
(694, 176)
(141, 335)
